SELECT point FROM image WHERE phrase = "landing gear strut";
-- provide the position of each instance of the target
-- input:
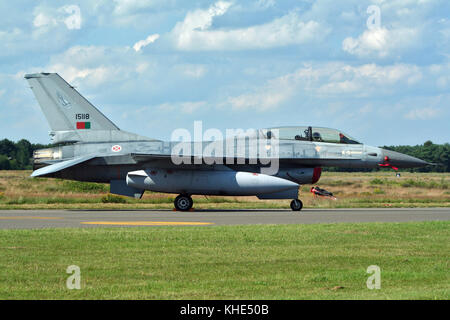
(183, 202)
(296, 205)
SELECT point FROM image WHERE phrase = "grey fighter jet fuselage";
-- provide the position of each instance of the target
(267, 163)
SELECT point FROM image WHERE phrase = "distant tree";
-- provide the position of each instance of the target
(4, 163)
(17, 156)
(8, 148)
(24, 153)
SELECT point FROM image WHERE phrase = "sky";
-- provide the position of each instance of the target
(378, 70)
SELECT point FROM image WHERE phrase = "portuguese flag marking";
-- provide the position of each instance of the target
(83, 125)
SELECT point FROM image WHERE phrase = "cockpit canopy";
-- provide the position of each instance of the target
(315, 134)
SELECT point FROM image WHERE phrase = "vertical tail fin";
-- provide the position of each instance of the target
(64, 108)
(71, 117)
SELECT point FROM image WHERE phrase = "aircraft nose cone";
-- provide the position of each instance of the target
(401, 160)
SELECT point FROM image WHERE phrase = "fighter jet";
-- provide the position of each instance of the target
(270, 163)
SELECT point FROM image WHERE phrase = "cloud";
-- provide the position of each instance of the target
(426, 113)
(48, 18)
(372, 76)
(194, 32)
(265, 4)
(322, 81)
(142, 43)
(192, 70)
(95, 66)
(380, 42)
(47, 30)
(125, 77)
(140, 14)
(43, 20)
(268, 97)
(256, 63)
(259, 101)
(126, 7)
(187, 107)
(8, 37)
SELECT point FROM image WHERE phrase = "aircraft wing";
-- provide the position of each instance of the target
(61, 165)
(317, 162)
(145, 158)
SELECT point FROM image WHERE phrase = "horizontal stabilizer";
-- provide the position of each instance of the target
(61, 166)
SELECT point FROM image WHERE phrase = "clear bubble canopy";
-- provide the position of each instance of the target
(315, 134)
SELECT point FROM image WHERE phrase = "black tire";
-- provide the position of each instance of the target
(183, 202)
(296, 205)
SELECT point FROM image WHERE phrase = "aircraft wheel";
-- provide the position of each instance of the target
(183, 202)
(296, 205)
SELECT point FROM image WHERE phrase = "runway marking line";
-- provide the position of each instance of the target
(149, 223)
(29, 217)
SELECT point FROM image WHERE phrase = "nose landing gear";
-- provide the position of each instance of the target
(296, 205)
(183, 202)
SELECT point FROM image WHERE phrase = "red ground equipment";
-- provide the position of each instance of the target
(319, 192)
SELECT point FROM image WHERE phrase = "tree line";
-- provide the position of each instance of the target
(438, 154)
(18, 155)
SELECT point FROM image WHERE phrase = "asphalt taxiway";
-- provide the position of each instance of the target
(36, 219)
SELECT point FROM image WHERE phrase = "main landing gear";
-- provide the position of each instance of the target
(296, 205)
(183, 202)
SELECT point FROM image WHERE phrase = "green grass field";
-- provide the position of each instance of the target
(324, 261)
